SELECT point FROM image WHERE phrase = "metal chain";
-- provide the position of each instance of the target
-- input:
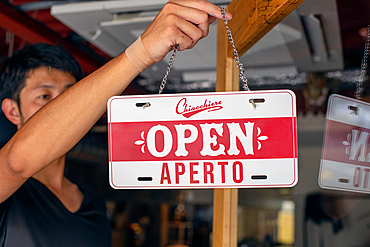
(239, 65)
(360, 82)
(171, 62)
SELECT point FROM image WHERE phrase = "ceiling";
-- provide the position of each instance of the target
(307, 40)
(321, 35)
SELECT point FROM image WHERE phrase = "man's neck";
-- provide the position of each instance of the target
(67, 192)
(52, 175)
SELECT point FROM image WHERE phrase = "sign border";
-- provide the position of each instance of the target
(295, 140)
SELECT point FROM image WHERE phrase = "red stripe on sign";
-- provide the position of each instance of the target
(346, 143)
(203, 139)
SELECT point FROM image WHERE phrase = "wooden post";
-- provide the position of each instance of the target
(251, 21)
(225, 201)
(227, 73)
(225, 206)
(164, 211)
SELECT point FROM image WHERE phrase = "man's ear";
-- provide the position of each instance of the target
(11, 111)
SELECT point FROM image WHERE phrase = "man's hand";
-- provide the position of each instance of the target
(182, 22)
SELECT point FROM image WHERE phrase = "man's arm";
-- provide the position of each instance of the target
(59, 125)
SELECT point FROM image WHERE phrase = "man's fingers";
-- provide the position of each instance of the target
(183, 33)
(191, 31)
(182, 22)
(211, 19)
(197, 17)
(163, 34)
(200, 12)
(203, 5)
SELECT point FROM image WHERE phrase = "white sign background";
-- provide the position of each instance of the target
(272, 138)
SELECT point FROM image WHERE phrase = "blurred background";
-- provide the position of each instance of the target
(315, 51)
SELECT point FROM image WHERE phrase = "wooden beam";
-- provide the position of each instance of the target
(164, 224)
(225, 201)
(225, 206)
(253, 19)
(227, 77)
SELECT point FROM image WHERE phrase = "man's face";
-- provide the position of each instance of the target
(42, 85)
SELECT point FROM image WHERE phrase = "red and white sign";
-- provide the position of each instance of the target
(345, 161)
(207, 140)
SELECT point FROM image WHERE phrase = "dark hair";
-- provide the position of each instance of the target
(16, 68)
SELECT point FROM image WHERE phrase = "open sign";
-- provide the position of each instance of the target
(345, 159)
(207, 140)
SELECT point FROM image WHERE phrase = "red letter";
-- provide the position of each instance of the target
(178, 172)
(165, 174)
(208, 172)
(223, 164)
(192, 172)
(183, 109)
(240, 172)
(357, 177)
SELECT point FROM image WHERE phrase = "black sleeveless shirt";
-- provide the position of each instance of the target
(34, 216)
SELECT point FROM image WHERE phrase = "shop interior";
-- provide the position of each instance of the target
(315, 51)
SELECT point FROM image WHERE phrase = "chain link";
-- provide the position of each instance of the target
(169, 66)
(239, 65)
(360, 82)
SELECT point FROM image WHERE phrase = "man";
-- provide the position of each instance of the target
(39, 206)
(31, 78)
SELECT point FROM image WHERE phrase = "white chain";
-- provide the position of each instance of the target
(360, 82)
